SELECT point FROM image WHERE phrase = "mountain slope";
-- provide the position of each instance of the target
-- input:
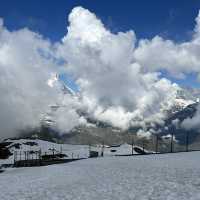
(97, 131)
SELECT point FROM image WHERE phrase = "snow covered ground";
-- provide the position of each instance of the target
(152, 177)
(75, 151)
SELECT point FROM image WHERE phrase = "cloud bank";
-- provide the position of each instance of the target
(118, 76)
(179, 59)
(24, 76)
(113, 84)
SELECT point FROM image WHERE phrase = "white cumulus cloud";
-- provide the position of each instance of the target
(113, 85)
(24, 77)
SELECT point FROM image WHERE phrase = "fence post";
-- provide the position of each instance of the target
(15, 157)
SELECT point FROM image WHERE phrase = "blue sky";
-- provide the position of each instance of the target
(173, 19)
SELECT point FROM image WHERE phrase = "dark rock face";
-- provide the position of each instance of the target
(43, 133)
(16, 146)
(139, 150)
(179, 132)
(4, 150)
(31, 143)
(4, 144)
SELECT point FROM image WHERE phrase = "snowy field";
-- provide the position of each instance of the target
(167, 177)
(75, 151)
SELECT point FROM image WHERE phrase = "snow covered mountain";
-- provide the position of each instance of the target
(181, 103)
(98, 131)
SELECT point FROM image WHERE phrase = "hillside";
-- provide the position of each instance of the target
(49, 148)
(96, 131)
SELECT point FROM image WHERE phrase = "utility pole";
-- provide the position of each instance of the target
(102, 149)
(132, 144)
(187, 141)
(89, 149)
(53, 150)
(15, 157)
(156, 149)
(172, 138)
(143, 145)
(61, 149)
(20, 155)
